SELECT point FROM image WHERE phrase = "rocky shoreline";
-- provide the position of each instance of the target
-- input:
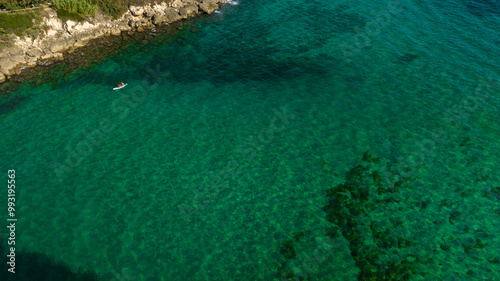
(66, 36)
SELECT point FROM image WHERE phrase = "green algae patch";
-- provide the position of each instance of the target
(370, 242)
(287, 249)
(377, 210)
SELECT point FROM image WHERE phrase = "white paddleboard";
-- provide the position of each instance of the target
(118, 88)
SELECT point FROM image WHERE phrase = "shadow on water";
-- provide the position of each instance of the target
(483, 7)
(40, 267)
(8, 104)
(406, 58)
(254, 68)
(240, 57)
(260, 52)
(190, 53)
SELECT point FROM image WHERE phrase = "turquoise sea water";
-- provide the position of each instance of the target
(214, 162)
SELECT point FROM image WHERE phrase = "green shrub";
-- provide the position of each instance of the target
(6, 40)
(16, 23)
(34, 31)
(65, 15)
(113, 8)
(84, 8)
(15, 4)
(11, 5)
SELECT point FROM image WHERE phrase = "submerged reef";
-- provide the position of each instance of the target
(397, 226)
(396, 232)
(290, 265)
(369, 241)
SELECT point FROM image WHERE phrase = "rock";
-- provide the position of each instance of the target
(45, 62)
(30, 60)
(208, 6)
(183, 12)
(34, 52)
(14, 50)
(68, 35)
(178, 3)
(7, 66)
(58, 56)
(158, 19)
(136, 24)
(149, 12)
(45, 46)
(115, 31)
(18, 59)
(80, 43)
(61, 45)
(100, 32)
(193, 8)
(188, 10)
(57, 46)
(136, 11)
(212, 2)
(171, 15)
(70, 26)
(16, 70)
(124, 27)
(50, 56)
(96, 33)
(31, 63)
(205, 7)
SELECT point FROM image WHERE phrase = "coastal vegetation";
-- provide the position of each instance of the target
(113, 8)
(83, 8)
(65, 15)
(17, 19)
(76, 9)
(44, 38)
(19, 24)
(15, 23)
(80, 9)
(15, 4)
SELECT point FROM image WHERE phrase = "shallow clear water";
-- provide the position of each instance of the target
(279, 100)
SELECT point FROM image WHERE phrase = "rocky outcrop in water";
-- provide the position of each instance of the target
(65, 36)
